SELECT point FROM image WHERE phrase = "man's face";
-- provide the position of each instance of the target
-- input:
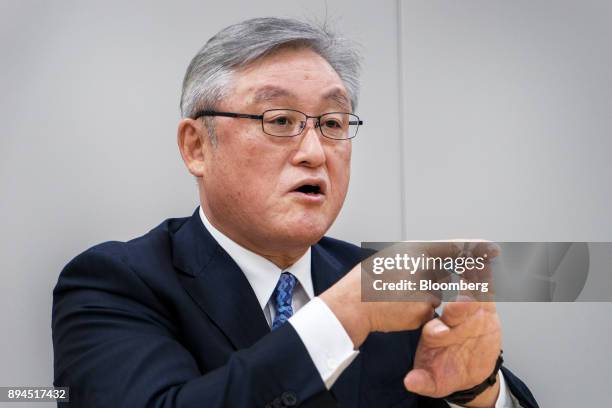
(252, 181)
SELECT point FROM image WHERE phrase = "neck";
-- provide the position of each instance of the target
(283, 261)
(282, 258)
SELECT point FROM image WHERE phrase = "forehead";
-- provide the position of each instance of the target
(290, 74)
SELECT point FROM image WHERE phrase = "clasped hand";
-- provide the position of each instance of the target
(456, 351)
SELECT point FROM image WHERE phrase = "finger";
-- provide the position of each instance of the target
(455, 313)
(443, 249)
(478, 324)
(487, 250)
(420, 381)
(490, 307)
(479, 281)
(436, 334)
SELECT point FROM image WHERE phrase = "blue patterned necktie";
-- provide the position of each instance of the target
(282, 299)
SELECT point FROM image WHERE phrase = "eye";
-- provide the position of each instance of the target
(280, 121)
(332, 124)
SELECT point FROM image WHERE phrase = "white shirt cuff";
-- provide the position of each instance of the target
(325, 339)
(505, 399)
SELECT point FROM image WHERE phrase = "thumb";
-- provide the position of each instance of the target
(420, 381)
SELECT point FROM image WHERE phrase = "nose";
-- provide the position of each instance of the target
(304, 123)
(310, 151)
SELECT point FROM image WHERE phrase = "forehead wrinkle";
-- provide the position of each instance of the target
(270, 93)
(339, 97)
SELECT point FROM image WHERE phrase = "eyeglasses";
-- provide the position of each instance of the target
(289, 122)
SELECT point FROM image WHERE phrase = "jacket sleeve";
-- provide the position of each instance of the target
(116, 346)
(519, 389)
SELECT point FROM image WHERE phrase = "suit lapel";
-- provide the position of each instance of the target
(216, 284)
(220, 289)
(326, 270)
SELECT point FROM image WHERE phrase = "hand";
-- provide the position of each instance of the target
(458, 351)
(360, 318)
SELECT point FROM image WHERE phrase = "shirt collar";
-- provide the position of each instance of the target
(262, 274)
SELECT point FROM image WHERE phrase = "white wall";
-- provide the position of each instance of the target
(507, 109)
(508, 97)
(88, 113)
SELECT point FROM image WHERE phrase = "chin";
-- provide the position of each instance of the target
(306, 232)
(311, 237)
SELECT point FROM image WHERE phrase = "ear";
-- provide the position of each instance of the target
(192, 137)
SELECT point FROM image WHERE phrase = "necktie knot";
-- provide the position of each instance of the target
(283, 293)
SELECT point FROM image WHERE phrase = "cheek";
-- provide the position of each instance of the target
(253, 169)
(339, 165)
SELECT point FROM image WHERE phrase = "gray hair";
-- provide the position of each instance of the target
(209, 73)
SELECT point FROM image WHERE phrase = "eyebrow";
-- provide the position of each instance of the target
(339, 97)
(271, 92)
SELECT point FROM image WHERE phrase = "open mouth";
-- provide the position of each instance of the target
(310, 189)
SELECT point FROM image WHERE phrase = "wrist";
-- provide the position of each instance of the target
(482, 395)
(487, 398)
(350, 312)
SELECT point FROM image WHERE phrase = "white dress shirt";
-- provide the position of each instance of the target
(326, 341)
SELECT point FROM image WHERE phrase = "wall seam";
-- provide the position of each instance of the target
(401, 124)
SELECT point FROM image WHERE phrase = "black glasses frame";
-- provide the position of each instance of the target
(357, 122)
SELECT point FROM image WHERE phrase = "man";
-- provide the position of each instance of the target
(245, 303)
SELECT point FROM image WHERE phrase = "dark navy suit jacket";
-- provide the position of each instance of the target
(169, 320)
